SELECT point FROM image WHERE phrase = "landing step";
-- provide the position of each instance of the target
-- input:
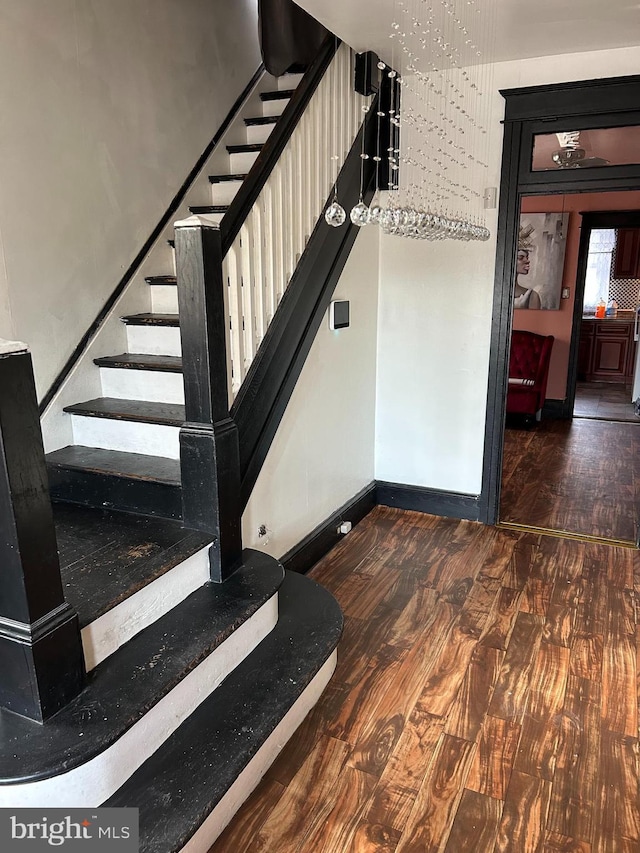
(107, 722)
(106, 557)
(239, 729)
(113, 479)
(141, 361)
(150, 319)
(167, 414)
(162, 279)
(220, 179)
(248, 148)
(277, 96)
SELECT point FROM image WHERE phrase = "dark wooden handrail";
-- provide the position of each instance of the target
(266, 161)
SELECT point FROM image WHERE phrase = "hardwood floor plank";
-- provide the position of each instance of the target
(536, 754)
(414, 618)
(554, 843)
(619, 685)
(536, 597)
(374, 838)
(618, 816)
(559, 625)
(402, 777)
(360, 641)
(574, 796)
(448, 671)
(516, 573)
(469, 710)
(502, 619)
(334, 830)
(359, 595)
(511, 694)
(308, 798)
(475, 826)
(429, 824)
(493, 761)
(524, 815)
(586, 657)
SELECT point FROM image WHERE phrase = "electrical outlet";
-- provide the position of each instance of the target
(264, 534)
(344, 527)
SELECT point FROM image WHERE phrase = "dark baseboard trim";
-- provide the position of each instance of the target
(162, 224)
(432, 501)
(556, 409)
(316, 544)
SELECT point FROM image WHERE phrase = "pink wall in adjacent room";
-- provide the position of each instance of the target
(558, 323)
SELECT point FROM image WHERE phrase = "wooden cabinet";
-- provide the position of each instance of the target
(606, 351)
(627, 257)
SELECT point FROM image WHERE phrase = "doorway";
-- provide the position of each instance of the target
(530, 114)
(574, 472)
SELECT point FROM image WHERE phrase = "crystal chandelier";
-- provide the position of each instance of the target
(439, 144)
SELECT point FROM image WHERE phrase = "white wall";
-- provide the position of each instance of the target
(323, 452)
(106, 106)
(435, 321)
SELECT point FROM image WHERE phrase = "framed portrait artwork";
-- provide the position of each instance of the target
(542, 241)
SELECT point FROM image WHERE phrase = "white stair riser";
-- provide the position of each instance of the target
(274, 108)
(164, 299)
(114, 628)
(152, 385)
(224, 192)
(259, 132)
(154, 340)
(92, 783)
(240, 163)
(288, 81)
(128, 436)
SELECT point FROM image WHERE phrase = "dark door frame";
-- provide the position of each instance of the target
(612, 102)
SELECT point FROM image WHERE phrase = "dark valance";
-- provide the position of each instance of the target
(288, 35)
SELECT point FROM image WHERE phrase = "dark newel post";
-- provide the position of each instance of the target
(41, 657)
(209, 450)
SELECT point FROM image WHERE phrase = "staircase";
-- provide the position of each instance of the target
(125, 454)
(193, 687)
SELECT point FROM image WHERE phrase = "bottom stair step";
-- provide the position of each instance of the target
(139, 695)
(113, 479)
(190, 788)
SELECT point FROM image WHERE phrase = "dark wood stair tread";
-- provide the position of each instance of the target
(260, 120)
(170, 414)
(107, 556)
(249, 148)
(117, 463)
(151, 319)
(162, 279)
(131, 681)
(277, 96)
(209, 208)
(207, 753)
(221, 179)
(141, 361)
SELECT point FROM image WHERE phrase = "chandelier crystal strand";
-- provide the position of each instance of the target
(360, 213)
(442, 51)
(335, 215)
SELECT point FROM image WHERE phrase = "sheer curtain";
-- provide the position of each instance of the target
(601, 245)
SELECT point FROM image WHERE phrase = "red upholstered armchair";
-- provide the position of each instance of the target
(528, 372)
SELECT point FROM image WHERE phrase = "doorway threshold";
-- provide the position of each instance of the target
(565, 534)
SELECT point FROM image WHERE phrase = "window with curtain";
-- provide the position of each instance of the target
(602, 242)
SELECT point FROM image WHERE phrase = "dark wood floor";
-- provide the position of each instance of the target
(610, 401)
(485, 700)
(580, 476)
